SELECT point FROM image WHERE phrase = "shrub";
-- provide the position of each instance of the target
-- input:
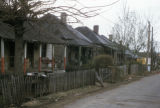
(102, 61)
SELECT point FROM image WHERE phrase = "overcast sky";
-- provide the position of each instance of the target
(147, 8)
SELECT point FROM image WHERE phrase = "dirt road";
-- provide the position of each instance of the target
(144, 93)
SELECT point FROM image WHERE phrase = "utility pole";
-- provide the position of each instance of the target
(148, 46)
(152, 51)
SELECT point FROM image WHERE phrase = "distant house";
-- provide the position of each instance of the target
(125, 54)
(104, 45)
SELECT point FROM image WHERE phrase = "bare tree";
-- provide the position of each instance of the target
(16, 12)
(131, 31)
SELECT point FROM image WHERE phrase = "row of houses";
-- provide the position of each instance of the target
(50, 44)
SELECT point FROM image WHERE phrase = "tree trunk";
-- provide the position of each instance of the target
(18, 64)
(99, 78)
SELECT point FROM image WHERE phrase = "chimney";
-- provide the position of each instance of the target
(110, 37)
(96, 29)
(64, 17)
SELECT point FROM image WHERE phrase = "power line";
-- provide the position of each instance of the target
(98, 6)
(108, 20)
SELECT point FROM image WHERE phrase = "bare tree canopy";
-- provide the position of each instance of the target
(31, 9)
(131, 30)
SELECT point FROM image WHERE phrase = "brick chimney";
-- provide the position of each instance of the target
(64, 17)
(110, 37)
(96, 29)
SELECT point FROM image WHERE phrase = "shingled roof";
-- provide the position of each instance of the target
(73, 37)
(109, 43)
(90, 34)
(6, 31)
(32, 33)
(48, 29)
(97, 39)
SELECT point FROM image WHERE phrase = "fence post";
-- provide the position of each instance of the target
(65, 55)
(53, 61)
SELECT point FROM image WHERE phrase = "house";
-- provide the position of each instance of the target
(104, 45)
(33, 40)
(77, 48)
(49, 44)
(130, 56)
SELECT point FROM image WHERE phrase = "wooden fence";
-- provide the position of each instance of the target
(105, 73)
(16, 89)
(138, 69)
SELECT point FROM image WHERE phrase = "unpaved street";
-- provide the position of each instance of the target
(140, 94)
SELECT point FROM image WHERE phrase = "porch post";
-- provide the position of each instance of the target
(111, 51)
(49, 54)
(53, 62)
(65, 55)
(2, 57)
(40, 57)
(80, 54)
(25, 57)
(115, 57)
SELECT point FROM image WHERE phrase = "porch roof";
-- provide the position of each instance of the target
(130, 54)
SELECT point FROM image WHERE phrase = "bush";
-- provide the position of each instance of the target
(102, 61)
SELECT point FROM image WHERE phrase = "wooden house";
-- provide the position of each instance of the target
(49, 44)
(103, 44)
